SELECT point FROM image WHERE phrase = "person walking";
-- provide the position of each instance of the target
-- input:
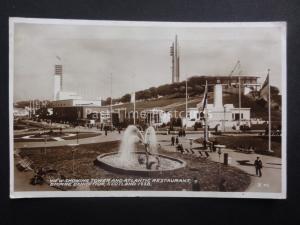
(177, 140)
(222, 185)
(258, 167)
(105, 129)
(172, 140)
(195, 185)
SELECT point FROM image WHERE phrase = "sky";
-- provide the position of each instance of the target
(136, 55)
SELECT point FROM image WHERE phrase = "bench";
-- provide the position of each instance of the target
(245, 150)
(24, 164)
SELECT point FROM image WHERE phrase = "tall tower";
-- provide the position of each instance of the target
(218, 96)
(58, 71)
(174, 52)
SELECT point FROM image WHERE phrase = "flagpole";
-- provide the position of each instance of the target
(134, 109)
(133, 96)
(29, 109)
(186, 103)
(111, 122)
(239, 102)
(269, 109)
(206, 116)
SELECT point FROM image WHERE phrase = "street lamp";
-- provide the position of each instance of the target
(73, 150)
(219, 169)
(77, 138)
(45, 147)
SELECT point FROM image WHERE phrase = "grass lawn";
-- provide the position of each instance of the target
(206, 171)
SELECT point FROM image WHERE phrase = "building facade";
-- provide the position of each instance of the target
(222, 117)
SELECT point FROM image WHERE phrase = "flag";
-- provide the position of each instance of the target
(204, 100)
(264, 91)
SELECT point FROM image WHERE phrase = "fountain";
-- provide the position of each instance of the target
(138, 155)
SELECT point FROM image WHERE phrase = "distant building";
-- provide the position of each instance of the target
(225, 116)
(74, 109)
(193, 116)
(155, 116)
(65, 95)
(222, 117)
(20, 112)
(231, 83)
(69, 106)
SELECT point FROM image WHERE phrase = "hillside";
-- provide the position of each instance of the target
(171, 103)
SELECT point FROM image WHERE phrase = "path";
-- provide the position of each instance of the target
(111, 136)
(270, 180)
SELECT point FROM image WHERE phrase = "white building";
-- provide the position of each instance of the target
(156, 117)
(20, 112)
(65, 95)
(75, 103)
(193, 116)
(60, 94)
(226, 116)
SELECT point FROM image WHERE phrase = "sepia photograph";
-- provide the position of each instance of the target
(147, 109)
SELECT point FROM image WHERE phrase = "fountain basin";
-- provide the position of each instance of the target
(111, 162)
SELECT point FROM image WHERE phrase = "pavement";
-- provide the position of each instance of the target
(271, 172)
(111, 136)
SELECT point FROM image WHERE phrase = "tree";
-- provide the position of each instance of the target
(107, 101)
(274, 90)
(125, 98)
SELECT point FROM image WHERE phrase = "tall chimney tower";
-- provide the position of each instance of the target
(58, 71)
(174, 52)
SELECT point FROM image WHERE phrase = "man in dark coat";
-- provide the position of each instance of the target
(172, 140)
(195, 185)
(258, 167)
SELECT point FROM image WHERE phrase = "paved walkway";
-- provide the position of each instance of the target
(270, 180)
(111, 136)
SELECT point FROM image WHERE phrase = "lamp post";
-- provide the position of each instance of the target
(45, 141)
(186, 102)
(77, 138)
(73, 150)
(219, 169)
(133, 99)
(45, 147)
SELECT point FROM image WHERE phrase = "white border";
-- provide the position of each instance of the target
(44, 194)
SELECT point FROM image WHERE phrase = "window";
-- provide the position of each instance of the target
(236, 116)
